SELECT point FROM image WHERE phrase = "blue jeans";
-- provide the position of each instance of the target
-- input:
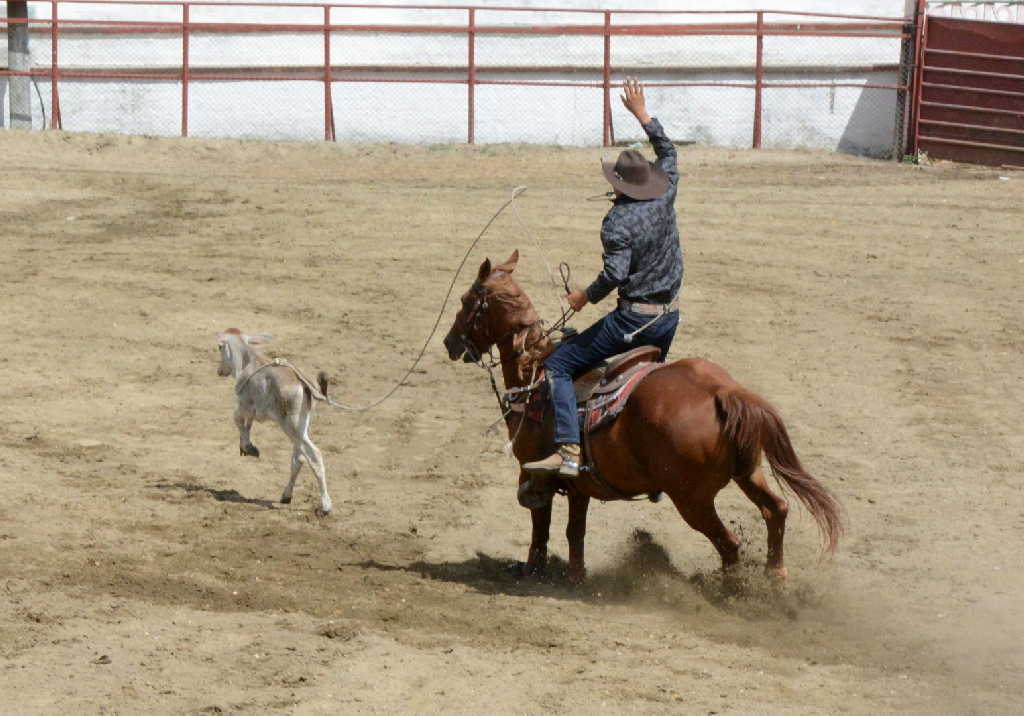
(586, 350)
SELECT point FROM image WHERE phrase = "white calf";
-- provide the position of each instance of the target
(273, 389)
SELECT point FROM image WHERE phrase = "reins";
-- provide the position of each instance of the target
(477, 356)
(566, 273)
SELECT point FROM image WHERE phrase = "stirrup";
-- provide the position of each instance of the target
(570, 467)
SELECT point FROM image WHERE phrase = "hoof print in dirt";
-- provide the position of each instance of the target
(341, 632)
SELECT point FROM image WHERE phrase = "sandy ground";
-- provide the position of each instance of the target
(146, 568)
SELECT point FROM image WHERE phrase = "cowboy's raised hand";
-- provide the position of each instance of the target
(633, 98)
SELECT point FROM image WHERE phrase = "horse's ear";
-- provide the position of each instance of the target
(485, 270)
(510, 264)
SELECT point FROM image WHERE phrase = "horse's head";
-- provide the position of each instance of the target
(494, 307)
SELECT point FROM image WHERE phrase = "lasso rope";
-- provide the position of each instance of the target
(559, 298)
(440, 314)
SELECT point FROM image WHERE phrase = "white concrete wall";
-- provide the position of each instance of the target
(850, 119)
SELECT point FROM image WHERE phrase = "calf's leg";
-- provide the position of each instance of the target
(286, 496)
(316, 461)
(244, 422)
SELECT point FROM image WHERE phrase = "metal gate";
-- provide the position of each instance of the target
(969, 91)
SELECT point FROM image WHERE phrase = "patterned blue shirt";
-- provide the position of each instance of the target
(643, 256)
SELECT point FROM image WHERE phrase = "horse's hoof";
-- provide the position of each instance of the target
(776, 574)
(286, 499)
(249, 451)
(576, 577)
(321, 512)
(525, 570)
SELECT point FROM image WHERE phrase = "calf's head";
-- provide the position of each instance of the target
(232, 347)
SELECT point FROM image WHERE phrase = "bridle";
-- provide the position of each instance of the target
(471, 326)
(511, 397)
(481, 306)
(478, 311)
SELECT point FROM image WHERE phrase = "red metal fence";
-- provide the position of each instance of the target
(970, 91)
(603, 26)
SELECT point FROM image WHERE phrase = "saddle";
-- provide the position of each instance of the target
(609, 377)
(602, 392)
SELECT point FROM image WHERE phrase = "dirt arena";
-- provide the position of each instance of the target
(146, 568)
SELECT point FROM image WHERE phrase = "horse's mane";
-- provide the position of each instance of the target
(534, 345)
(513, 298)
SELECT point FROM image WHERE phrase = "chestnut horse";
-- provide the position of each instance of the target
(687, 430)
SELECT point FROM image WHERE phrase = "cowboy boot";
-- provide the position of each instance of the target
(565, 461)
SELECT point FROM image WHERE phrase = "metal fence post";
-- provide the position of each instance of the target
(55, 120)
(328, 97)
(904, 97)
(184, 69)
(607, 135)
(759, 80)
(19, 60)
(917, 77)
(471, 78)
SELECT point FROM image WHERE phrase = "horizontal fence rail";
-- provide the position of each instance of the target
(969, 100)
(61, 22)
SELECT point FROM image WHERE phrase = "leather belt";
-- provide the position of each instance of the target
(649, 309)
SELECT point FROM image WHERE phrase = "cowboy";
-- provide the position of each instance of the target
(643, 259)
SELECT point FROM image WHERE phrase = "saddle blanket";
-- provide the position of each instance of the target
(602, 409)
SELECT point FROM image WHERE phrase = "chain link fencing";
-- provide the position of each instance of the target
(442, 75)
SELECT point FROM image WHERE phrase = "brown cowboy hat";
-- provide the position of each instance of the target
(636, 177)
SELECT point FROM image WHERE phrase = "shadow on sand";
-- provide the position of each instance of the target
(219, 495)
(642, 574)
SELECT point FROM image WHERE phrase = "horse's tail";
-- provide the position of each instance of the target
(751, 425)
